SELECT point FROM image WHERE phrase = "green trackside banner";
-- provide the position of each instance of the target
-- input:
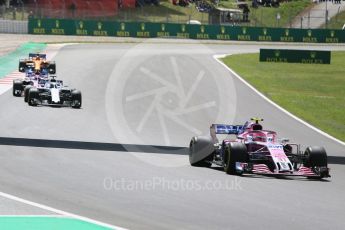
(151, 30)
(295, 56)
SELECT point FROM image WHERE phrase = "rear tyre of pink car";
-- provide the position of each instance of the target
(201, 151)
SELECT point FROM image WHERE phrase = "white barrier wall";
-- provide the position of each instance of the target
(13, 27)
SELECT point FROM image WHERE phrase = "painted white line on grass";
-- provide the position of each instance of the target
(217, 58)
(67, 214)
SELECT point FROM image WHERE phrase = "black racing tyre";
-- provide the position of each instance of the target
(26, 92)
(234, 152)
(315, 156)
(22, 66)
(17, 88)
(52, 68)
(76, 99)
(33, 97)
(206, 162)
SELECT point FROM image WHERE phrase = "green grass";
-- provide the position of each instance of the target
(336, 22)
(267, 16)
(20, 14)
(313, 92)
(231, 4)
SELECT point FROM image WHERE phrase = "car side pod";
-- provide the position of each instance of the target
(201, 149)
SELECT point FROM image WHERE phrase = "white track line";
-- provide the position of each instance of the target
(217, 57)
(67, 214)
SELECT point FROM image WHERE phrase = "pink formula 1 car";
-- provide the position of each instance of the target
(256, 151)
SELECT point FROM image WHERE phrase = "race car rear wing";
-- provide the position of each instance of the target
(225, 129)
(33, 55)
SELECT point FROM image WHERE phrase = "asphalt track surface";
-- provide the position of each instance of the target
(147, 96)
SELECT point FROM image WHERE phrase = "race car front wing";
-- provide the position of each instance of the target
(263, 169)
